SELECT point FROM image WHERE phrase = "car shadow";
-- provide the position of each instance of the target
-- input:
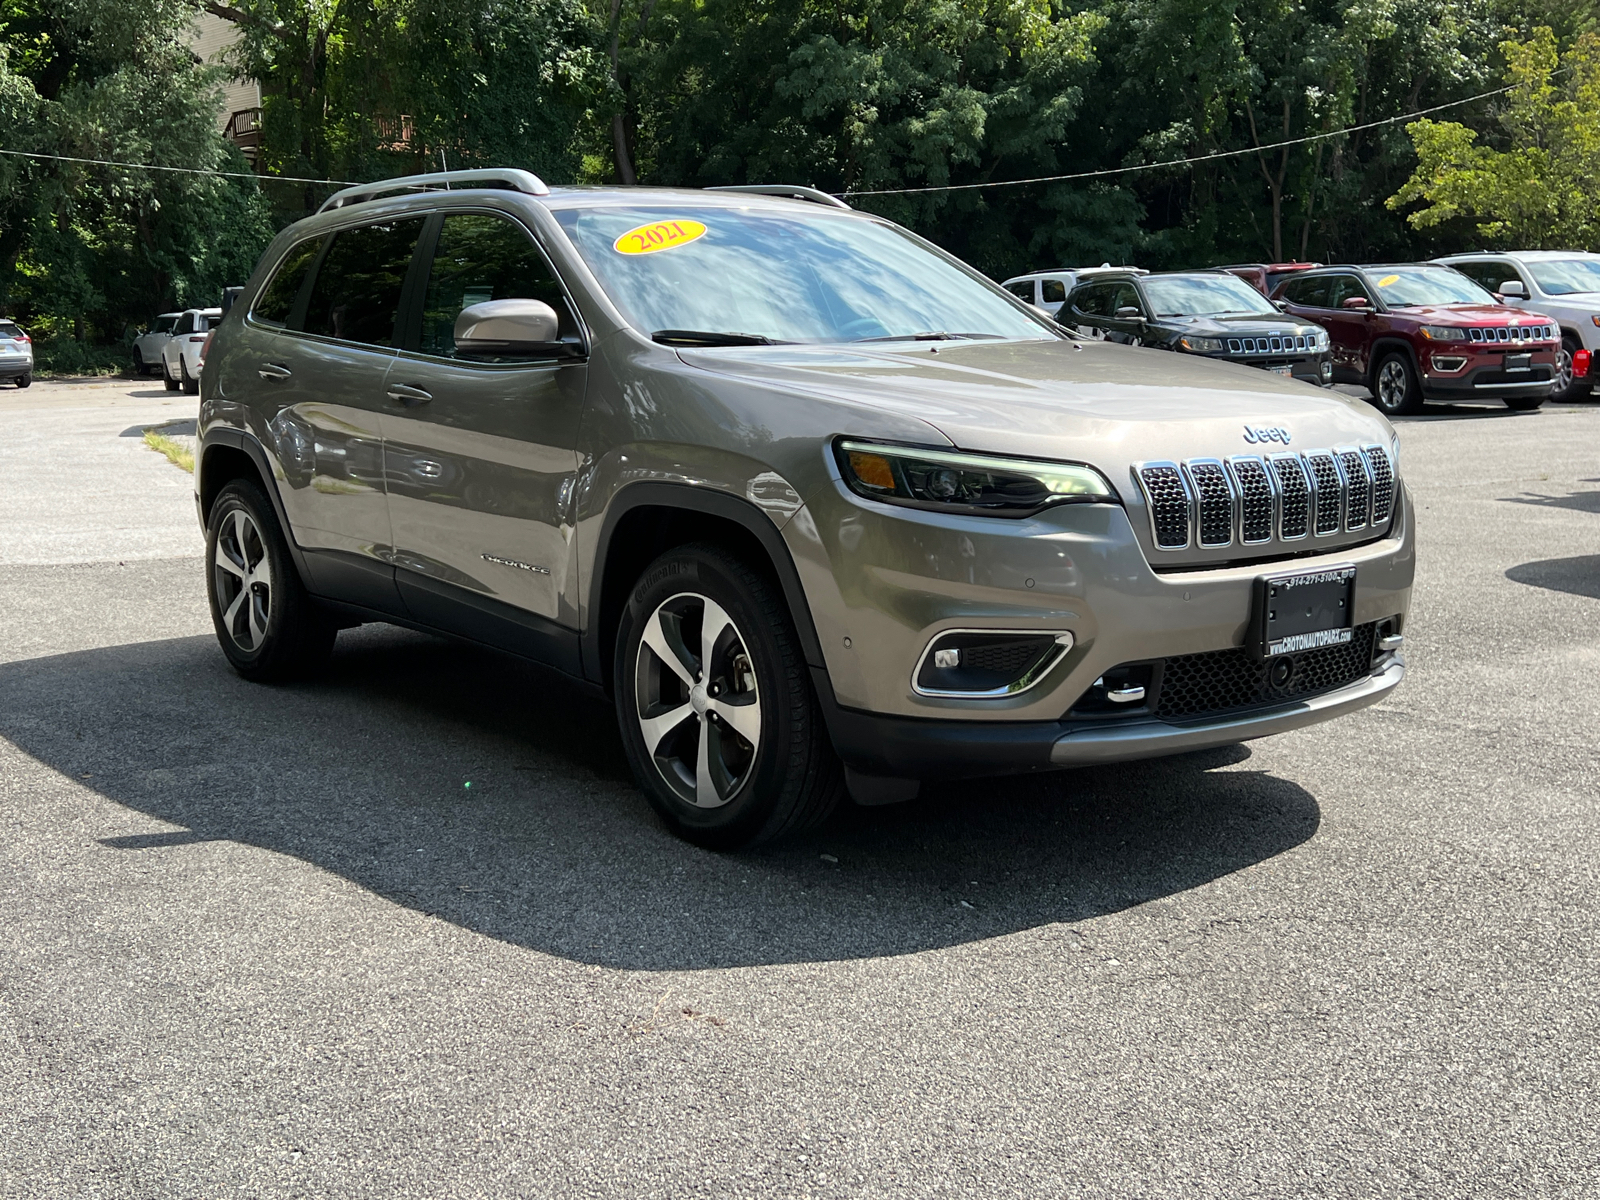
(1577, 576)
(177, 427)
(481, 790)
(1588, 502)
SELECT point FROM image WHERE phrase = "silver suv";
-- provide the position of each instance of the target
(821, 508)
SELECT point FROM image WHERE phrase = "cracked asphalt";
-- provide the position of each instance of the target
(409, 930)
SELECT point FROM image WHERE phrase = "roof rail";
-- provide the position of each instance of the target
(793, 191)
(503, 177)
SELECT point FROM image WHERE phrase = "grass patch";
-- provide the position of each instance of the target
(175, 452)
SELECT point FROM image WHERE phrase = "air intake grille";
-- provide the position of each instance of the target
(1169, 505)
(1255, 494)
(1382, 485)
(1358, 490)
(1295, 491)
(1196, 686)
(1211, 487)
(1522, 333)
(1253, 500)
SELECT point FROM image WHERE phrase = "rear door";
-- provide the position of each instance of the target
(480, 454)
(312, 357)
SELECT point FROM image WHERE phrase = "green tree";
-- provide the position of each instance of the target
(1539, 187)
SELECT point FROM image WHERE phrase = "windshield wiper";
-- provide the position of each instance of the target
(932, 335)
(700, 337)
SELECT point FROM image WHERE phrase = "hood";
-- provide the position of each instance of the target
(1246, 324)
(1469, 314)
(1097, 402)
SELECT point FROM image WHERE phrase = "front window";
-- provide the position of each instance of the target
(1566, 277)
(1204, 296)
(810, 278)
(164, 324)
(1403, 287)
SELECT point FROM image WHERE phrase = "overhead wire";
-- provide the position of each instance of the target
(1214, 156)
(106, 162)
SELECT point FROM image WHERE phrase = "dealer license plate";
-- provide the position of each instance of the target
(1303, 611)
(1282, 370)
(1519, 362)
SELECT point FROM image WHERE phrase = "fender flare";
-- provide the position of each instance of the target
(238, 439)
(1381, 348)
(689, 498)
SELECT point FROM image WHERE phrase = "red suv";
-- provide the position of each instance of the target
(1264, 277)
(1412, 333)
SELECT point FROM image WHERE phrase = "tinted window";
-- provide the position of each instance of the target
(212, 322)
(482, 258)
(1124, 295)
(1092, 299)
(1022, 291)
(185, 323)
(163, 324)
(1053, 291)
(1341, 288)
(276, 301)
(356, 295)
(7, 329)
(1313, 292)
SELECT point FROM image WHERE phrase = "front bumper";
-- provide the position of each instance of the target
(1310, 368)
(1480, 380)
(916, 749)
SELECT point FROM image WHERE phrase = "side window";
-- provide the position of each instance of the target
(1022, 290)
(1091, 300)
(1125, 295)
(1341, 288)
(1489, 275)
(163, 324)
(356, 294)
(276, 301)
(185, 324)
(479, 258)
(1053, 291)
(1312, 293)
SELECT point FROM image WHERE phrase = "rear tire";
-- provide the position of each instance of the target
(1568, 387)
(140, 367)
(1524, 403)
(1396, 391)
(718, 716)
(191, 385)
(24, 380)
(268, 625)
(167, 380)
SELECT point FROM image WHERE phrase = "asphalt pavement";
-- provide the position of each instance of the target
(409, 930)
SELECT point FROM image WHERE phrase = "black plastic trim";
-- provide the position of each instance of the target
(444, 606)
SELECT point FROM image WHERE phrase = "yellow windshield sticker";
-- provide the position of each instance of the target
(659, 235)
(1388, 279)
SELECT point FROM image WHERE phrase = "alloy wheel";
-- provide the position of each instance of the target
(1563, 370)
(1393, 385)
(697, 702)
(243, 580)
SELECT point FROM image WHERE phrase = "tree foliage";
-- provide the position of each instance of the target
(1540, 187)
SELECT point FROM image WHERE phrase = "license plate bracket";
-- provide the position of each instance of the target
(1519, 362)
(1285, 370)
(1303, 610)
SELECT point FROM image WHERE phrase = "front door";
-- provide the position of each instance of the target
(480, 456)
(1349, 329)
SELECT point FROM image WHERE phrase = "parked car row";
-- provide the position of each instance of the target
(1514, 327)
(173, 344)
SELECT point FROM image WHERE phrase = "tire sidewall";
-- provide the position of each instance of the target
(1408, 402)
(242, 495)
(741, 819)
(1578, 388)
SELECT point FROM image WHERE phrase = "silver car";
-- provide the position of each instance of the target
(821, 509)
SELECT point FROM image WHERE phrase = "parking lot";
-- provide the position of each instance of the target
(411, 930)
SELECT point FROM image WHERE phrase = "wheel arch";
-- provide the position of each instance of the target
(648, 518)
(229, 454)
(1381, 349)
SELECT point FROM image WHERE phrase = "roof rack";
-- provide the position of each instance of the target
(502, 177)
(793, 191)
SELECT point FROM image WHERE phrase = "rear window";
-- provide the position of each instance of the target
(356, 294)
(1053, 291)
(10, 330)
(164, 324)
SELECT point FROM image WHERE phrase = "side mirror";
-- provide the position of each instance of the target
(511, 329)
(1515, 288)
(1280, 305)
(1129, 312)
(1356, 302)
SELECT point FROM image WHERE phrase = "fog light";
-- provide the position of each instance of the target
(1281, 672)
(988, 663)
(947, 660)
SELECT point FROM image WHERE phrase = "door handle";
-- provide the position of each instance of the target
(274, 371)
(407, 393)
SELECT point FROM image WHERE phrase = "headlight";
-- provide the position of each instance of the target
(1444, 333)
(1200, 345)
(951, 481)
(1319, 341)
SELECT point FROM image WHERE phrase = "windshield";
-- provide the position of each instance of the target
(809, 277)
(1567, 276)
(1203, 296)
(1402, 287)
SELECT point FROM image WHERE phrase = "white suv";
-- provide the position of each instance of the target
(1561, 284)
(148, 345)
(16, 354)
(1047, 290)
(180, 357)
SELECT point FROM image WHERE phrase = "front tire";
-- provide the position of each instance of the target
(718, 717)
(1396, 391)
(268, 626)
(1569, 387)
